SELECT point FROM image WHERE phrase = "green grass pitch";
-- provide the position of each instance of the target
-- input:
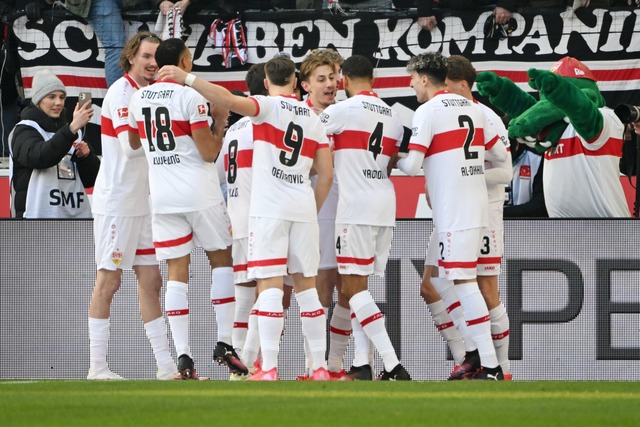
(222, 403)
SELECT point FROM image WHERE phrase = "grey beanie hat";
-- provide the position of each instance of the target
(45, 82)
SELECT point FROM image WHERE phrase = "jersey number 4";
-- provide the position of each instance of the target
(158, 129)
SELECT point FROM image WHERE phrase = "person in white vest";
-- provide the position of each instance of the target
(50, 163)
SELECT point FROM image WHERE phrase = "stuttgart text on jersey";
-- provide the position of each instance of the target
(386, 111)
(298, 110)
(160, 94)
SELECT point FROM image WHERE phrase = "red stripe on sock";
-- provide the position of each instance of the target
(453, 306)
(500, 335)
(316, 313)
(270, 314)
(182, 312)
(345, 332)
(370, 319)
(478, 320)
(240, 325)
(444, 326)
(223, 300)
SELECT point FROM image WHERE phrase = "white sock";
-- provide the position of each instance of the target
(98, 344)
(176, 306)
(361, 343)
(157, 334)
(477, 318)
(245, 298)
(448, 330)
(500, 336)
(270, 324)
(445, 288)
(224, 301)
(314, 326)
(339, 331)
(252, 341)
(372, 322)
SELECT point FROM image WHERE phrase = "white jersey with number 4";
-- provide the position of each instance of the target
(287, 134)
(449, 129)
(122, 185)
(366, 132)
(165, 115)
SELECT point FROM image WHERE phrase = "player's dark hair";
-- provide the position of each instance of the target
(280, 71)
(255, 80)
(430, 64)
(460, 68)
(169, 52)
(131, 48)
(357, 66)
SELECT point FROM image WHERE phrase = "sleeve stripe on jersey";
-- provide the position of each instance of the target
(573, 147)
(417, 147)
(491, 143)
(244, 159)
(267, 262)
(359, 140)
(255, 101)
(454, 140)
(272, 135)
(199, 125)
(135, 130)
(106, 127)
(173, 243)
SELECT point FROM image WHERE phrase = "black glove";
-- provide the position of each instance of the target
(34, 10)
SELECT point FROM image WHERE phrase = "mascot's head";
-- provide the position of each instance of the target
(542, 124)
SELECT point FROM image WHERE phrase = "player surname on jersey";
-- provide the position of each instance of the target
(166, 160)
(472, 170)
(288, 177)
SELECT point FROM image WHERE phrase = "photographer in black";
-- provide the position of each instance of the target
(630, 161)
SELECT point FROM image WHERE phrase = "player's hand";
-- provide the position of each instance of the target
(171, 72)
(81, 116)
(427, 22)
(488, 83)
(183, 4)
(82, 149)
(543, 80)
(165, 7)
(219, 113)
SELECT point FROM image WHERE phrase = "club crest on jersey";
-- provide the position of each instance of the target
(202, 109)
(525, 171)
(123, 113)
(116, 257)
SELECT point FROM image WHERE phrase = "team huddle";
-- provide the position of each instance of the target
(289, 195)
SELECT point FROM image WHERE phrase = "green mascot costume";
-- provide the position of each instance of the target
(580, 137)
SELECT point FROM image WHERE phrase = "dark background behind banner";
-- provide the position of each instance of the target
(571, 288)
(608, 41)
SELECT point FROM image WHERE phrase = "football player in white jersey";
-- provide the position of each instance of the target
(451, 143)
(366, 135)
(320, 75)
(172, 123)
(283, 228)
(442, 301)
(122, 221)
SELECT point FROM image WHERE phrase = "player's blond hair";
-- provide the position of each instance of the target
(318, 58)
(132, 46)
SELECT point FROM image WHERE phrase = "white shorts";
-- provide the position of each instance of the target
(327, 244)
(176, 234)
(433, 250)
(122, 242)
(239, 252)
(362, 249)
(490, 255)
(459, 253)
(278, 247)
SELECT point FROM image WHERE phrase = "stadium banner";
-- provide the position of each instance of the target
(571, 288)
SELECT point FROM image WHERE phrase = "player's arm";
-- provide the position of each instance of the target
(324, 167)
(206, 143)
(500, 172)
(133, 134)
(125, 145)
(216, 94)
(412, 163)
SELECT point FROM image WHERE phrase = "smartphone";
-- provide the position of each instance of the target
(83, 98)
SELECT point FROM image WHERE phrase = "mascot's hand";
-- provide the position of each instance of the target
(543, 81)
(488, 83)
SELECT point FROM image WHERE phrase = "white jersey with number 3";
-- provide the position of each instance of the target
(366, 132)
(165, 115)
(449, 129)
(287, 134)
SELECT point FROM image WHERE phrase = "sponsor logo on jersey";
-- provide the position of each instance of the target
(202, 109)
(123, 113)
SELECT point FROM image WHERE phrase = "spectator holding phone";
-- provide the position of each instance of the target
(50, 163)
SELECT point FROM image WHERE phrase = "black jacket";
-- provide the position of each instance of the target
(30, 151)
(425, 7)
